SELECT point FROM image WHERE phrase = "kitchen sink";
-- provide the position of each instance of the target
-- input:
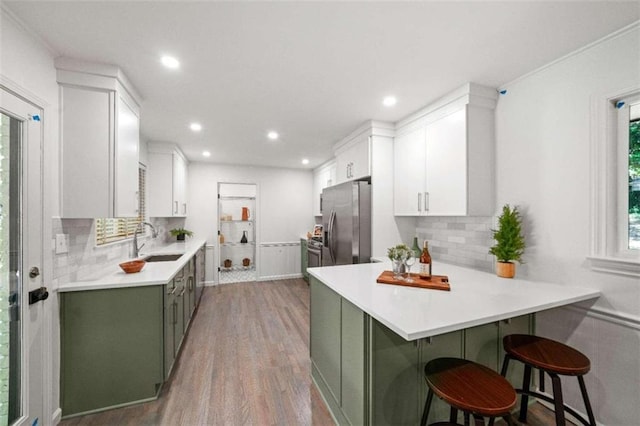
(163, 257)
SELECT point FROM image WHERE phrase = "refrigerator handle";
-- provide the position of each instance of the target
(332, 219)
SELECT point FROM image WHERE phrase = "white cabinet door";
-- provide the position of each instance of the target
(446, 166)
(160, 184)
(126, 164)
(354, 162)
(99, 154)
(179, 185)
(322, 178)
(166, 182)
(409, 173)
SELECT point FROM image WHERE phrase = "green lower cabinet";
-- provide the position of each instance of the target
(112, 347)
(169, 325)
(325, 339)
(339, 354)
(444, 345)
(354, 364)
(304, 259)
(369, 375)
(395, 382)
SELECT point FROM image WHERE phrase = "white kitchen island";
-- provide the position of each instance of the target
(370, 341)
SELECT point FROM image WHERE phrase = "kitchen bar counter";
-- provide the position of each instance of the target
(370, 342)
(153, 273)
(475, 298)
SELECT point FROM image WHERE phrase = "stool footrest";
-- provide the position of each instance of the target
(550, 400)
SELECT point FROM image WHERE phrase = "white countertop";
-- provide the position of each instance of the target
(475, 298)
(153, 273)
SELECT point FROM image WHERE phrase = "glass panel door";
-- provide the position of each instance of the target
(10, 265)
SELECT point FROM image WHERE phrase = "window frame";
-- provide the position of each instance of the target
(609, 186)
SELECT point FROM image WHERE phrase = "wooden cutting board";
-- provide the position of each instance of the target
(436, 282)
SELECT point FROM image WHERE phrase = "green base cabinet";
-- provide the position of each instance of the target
(339, 354)
(304, 258)
(369, 375)
(112, 346)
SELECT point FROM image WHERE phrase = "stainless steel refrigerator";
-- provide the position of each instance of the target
(346, 216)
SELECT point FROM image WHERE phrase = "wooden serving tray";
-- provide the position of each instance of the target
(435, 282)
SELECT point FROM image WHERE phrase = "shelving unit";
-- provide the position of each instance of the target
(232, 200)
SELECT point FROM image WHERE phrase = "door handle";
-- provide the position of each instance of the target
(426, 201)
(37, 295)
(34, 272)
(419, 201)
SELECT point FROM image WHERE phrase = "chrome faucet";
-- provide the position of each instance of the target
(154, 234)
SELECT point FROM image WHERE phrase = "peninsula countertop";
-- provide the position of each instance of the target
(153, 273)
(475, 298)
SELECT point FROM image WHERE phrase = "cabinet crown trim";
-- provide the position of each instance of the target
(467, 94)
(368, 128)
(85, 73)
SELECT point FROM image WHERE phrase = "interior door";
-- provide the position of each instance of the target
(21, 255)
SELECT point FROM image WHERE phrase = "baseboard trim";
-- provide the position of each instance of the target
(280, 277)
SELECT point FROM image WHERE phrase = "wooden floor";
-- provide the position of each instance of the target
(245, 362)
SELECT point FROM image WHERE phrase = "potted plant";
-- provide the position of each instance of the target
(397, 255)
(509, 242)
(180, 233)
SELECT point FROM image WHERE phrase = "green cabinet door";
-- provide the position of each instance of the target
(179, 303)
(444, 345)
(481, 345)
(112, 345)
(354, 368)
(169, 324)
(394, 383)
(325, 341)
(304, 259)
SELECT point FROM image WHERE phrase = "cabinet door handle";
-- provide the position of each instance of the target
(184, 209)
(182, 292)
(175, 210)
(419, 201)
(426, 201)
(172, 292)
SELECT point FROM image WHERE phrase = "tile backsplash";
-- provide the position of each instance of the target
(85, 260)
(462, 241)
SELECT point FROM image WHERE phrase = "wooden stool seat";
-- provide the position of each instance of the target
(546, 354)
(470, 387)
(555, 359)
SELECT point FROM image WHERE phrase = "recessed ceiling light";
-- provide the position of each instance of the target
(196, 127)
(206, 154)
(305, 161)
(272, 135)
(170, 62)
(389, 101)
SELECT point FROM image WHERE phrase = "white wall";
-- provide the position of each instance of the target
(284, 209)
(26, 67)
(543, 133)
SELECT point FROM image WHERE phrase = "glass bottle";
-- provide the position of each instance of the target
(425, 260)
(416, 248)
(244, 238)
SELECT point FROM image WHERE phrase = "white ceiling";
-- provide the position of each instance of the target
(313, 71)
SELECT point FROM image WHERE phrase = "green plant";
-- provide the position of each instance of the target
(510, 243)
(399, 252)
(181, 231)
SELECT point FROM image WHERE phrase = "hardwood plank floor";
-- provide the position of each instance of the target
(244, 362)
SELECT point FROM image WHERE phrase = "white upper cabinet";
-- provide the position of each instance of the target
(100, 133)
(353, 159)
(323, 177)
(166, 181)
(444, 157)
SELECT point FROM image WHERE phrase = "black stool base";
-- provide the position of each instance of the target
(559, 406)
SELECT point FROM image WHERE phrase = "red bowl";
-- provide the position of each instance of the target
(133, 266)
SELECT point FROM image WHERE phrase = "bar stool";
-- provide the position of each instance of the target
(551, 357)
(470, 387)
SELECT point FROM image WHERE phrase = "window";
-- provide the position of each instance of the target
(615, 184)
(630, 121)
(109, 230)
